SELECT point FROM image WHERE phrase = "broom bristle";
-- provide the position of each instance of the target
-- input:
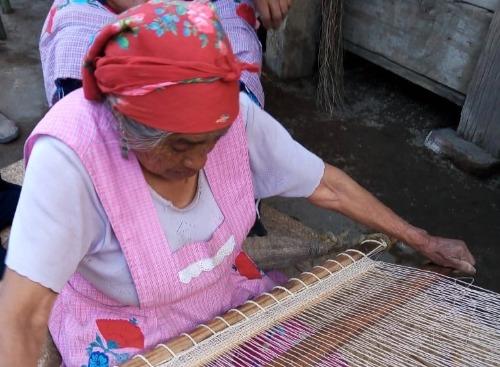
(330, 90)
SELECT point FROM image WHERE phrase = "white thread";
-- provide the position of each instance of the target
(324, 268)
(190, 338)
(144, 359)
(256, 304)
(357, 252)
(209, 328)
(348, 256)
(382, 245)
(223, 320)
(284, 289)
(434, 319)
(270, 295)
(168, 349)
(314, 275)
(301, 282)
(336, 262)
(241, 313)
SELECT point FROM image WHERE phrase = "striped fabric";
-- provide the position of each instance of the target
(71, 24)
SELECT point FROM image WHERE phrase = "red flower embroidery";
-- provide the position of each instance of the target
(246, 12)
(125, 333)
(247, 267)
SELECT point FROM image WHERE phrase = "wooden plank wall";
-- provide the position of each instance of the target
(480, 120)
(434, 43)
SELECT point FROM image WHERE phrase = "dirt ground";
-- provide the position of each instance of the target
(378, 139)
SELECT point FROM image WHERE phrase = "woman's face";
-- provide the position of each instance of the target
(180, 156)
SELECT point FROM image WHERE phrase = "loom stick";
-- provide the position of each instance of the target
(161, 355)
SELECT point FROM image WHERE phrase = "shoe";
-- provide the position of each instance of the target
(9, 131)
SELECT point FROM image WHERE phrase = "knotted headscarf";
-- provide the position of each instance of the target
(169, 64)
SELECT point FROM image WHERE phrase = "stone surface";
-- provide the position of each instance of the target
(22, 97)
(292, 50)
(15, 174)
(466, 155)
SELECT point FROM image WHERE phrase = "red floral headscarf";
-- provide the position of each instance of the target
(170, 66)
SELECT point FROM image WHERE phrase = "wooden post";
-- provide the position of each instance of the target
(480, 120)
(292, 50)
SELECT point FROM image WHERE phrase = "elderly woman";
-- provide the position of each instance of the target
(150, 174)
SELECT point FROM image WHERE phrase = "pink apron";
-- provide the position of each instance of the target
(176, 291)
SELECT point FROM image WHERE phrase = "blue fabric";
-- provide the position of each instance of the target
(64, 87)
(9, 196)
(248, 92)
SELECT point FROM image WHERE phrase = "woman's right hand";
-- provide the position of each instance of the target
(24, 313)
(272, 12)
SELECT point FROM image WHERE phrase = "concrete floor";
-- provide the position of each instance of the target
(22, 98)
(378, 139)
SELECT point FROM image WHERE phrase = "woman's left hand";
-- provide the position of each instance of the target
(446, 252)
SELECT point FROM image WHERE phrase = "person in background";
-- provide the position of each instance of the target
(71, 24)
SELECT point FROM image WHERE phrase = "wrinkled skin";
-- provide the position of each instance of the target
(172, 168)
(180, 156)
(447, 252)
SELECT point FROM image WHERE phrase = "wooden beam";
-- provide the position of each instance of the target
(433, 43)
(409, 74)
(480, 120)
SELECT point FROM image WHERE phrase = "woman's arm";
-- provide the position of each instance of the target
(337, 191)
(25, 308)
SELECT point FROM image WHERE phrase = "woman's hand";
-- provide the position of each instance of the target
(272, 12)
(441, 251)
(337, 191)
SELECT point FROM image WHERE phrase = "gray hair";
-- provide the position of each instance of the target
(133, 134)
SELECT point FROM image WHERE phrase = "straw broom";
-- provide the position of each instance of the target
(330, 88)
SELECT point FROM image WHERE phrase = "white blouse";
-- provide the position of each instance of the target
(61, 227)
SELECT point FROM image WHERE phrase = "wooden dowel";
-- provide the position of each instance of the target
(180, 344)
